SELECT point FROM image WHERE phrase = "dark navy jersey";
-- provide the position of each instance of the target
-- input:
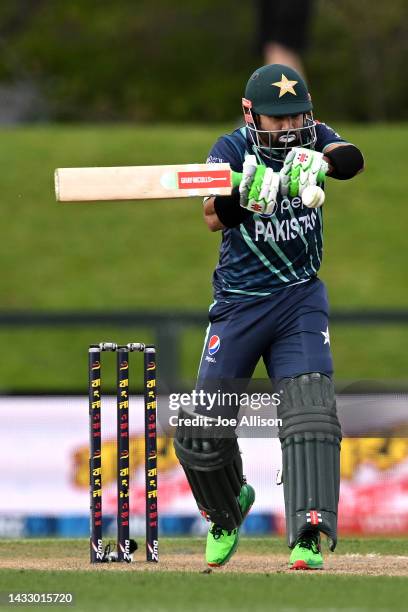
(266, 253)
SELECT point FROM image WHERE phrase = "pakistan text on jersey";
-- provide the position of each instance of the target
(289, 229)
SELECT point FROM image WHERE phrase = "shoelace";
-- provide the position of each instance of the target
(311, 543)
(217, 532)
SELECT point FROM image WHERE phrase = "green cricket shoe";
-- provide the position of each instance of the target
(221, 544)
(306, 554)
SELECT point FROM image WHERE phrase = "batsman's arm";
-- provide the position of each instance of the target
(224, 211)
(211, 217)
(256, 193)
(345, 160)
(221, 212)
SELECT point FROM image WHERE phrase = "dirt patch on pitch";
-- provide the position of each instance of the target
(366, 565)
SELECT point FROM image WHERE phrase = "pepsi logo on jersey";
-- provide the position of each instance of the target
(214, 344)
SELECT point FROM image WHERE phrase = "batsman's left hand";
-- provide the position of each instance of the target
(259, 187)
(302, 168)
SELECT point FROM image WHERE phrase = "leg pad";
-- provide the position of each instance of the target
(310, 438)
(213, 468)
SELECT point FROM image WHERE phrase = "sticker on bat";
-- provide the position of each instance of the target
(201, 178)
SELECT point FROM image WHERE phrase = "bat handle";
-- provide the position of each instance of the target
(236, 178)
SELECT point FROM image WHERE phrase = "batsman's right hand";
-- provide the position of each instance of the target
(259, 187)
(302, 168)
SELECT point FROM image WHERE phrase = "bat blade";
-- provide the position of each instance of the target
(143, 182)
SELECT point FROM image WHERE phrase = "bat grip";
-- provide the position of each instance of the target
(236, 178)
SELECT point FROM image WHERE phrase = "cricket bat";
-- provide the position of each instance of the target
(144, 182)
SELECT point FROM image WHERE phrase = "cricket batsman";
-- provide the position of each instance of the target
(270, 304)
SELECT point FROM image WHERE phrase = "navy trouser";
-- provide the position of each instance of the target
(288, 330)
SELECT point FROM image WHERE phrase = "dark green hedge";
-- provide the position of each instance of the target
(162, 60)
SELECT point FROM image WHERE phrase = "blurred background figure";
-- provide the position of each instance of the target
(283, 31)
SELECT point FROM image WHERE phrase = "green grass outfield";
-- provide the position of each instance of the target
(159, 254)
(123, 588)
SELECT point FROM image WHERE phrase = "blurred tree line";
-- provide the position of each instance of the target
(160, 60)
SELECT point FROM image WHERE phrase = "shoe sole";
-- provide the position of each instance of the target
(302, 565)
(234, 548)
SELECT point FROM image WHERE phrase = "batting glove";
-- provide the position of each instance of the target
(259, 187)
(302, 168)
